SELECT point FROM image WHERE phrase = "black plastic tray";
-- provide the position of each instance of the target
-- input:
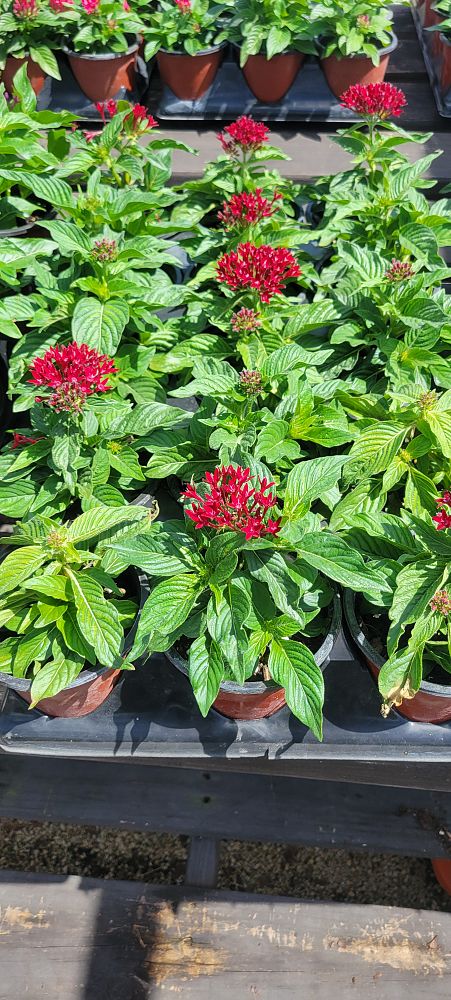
(309, 99)
(66, 95)
(152, 714)
(443, 101)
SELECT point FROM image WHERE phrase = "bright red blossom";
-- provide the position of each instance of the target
(25, 8)
(442, 519)
(244, 209)
(106, 107)
(140, 114)
(58, 5)
(243, 135)
(376, 100)
(184, 6)
(231, 502)
(73, 372)
(19, 440)
(265, 269)
(90, 6)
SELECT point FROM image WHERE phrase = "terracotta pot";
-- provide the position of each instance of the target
(260, 699)
(443, 54)
(90, 689)
(428, 15)
(189, 77)
(35, 74)
(432, 703)
(343, 72)
(442, 872)
(270, 79)
(102, 76)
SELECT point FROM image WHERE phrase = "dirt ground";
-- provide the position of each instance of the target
(308, 873)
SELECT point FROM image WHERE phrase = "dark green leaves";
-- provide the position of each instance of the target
(293, 666)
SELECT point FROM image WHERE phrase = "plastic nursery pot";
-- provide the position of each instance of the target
(432, 703)
(35, 74)
(260, 699)
(92, 686)
(30, 228)
(189, 77)
(444, 56)
(270, 79)
(102, 75)
(345, 71)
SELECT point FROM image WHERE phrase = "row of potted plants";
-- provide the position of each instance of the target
(435, 19)
(101, 39)
(291, 393)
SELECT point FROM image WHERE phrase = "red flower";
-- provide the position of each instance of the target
(140, 114)
(90, 6)
(106, 106)
(19, 440)
(89, 136)
(243, 209)
(442, 519)
(232, 502)
(399, 270)
(243, 135)
(265, 268)
(184, 6)
(376, 100)
(25, 8)
(73, 372)
(441, 602)
(59, 5)
(245, 321)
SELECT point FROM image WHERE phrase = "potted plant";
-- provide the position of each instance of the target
(245, 606)
(357, 40)
(102, 47)
(30, 33)
(184, 36)
(273, 37)
(439, 22)
(67, 625)
(407, 645)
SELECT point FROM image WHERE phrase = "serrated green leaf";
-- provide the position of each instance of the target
(100, 325)
(293, 666)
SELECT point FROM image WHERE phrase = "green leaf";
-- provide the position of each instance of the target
(73, 637)
(416, 585)
(338, 561)
(271, 569)
(160, 554)
(293, 666)
(51, 586)
(100, 325)
(69, 238)
(206, 671)
(375, 449)
(310, 480)
(16, 498)
(46, 59)
(54, 677)
(18, 565)
(225, 619)
(169, 604)
(98, 520)
(97, 618)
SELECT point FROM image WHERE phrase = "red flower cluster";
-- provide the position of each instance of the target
(442, 519)
(89, 135)
(245, 321)
(140, 114)
(25, 8)
(19, 440)
(73, 372)
(244, 209)
(441, 602)
(184, 6)
(90, 6)
(243, 135)
(399, 270)
(104, 250)
(106, 107)
(232, 502)
(59, 5)
(376, 100)
(266, 269)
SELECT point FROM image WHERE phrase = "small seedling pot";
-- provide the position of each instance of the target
(102, 75)
(432, 703)
(36, 75)
(270, 79)
(260, 699)
(345, 71)
(189, 77)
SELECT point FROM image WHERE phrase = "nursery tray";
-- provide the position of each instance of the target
(152, 714)
(66, 95)
(443, 101)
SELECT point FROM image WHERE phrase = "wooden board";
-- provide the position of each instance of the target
(84, 939)
(226, 806)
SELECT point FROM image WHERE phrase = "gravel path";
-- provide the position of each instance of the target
(267, 868)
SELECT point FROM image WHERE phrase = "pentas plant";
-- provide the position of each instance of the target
(352, 27)
(183, 26)
(59, 610)
(269, 28)
(103, 26)
(262, 270)
(245, 582)
(34, 28)
(85, 441)
(418, 630)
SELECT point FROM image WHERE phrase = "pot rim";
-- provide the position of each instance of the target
(386, 51)
(102, 56)
(262, 687)
(261, 55)
(436, 690)
(19, 231)
(90, 674)
(203, 52)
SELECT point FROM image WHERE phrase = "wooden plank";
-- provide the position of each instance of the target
(84, 939)
(220, 805)
(203, 862)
